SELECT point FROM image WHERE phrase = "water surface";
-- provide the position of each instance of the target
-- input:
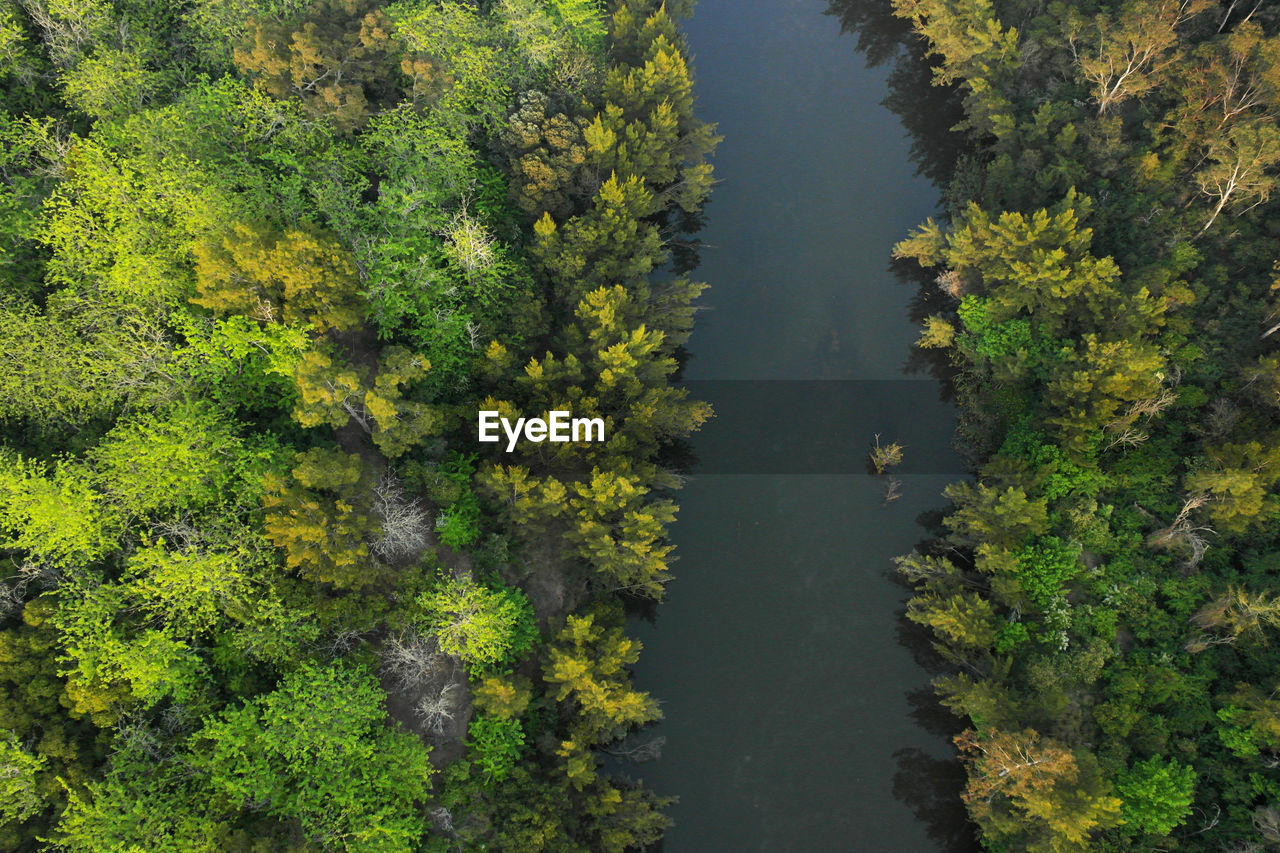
(797, 715)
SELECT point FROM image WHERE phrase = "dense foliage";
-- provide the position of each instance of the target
(1104, 588)
(261, 262)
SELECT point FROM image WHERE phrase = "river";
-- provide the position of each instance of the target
(798, 710)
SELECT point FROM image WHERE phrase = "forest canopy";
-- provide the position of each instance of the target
(262, 262)
(1103, 283)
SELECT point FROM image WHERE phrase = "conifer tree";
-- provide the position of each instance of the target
(587, 666)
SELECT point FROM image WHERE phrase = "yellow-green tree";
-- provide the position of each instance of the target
(299, 277)
(610, 244)
(621, 530)
(54, 514)
(1237, 478)
(587, 666)
(1125, 55)
(1034, 792)
(333, 393)
(341, 60)
(320, 517)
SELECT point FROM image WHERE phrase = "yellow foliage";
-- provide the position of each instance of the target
(298, 277)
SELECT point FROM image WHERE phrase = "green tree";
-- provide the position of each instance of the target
(183, 459)
(1157, 795)
(19, 797)
(35, 707)
(976, 50)
(617, 369)
(111, 83)
(53, 512)
(465, 48)
(495, 744)
(965, 620)
(142, 804)
(562, 41)
(485, 627)
(66, 367)
(647, 128)
(239, 362)
(1232, 77)
(194, 589)
(121, 229)
(316, 750)
(112, 661)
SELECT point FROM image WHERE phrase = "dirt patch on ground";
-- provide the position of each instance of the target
(545, 581)
(450, 682)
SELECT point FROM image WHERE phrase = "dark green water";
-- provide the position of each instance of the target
(798, 715)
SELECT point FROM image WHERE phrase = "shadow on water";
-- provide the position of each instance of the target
(929, 299)
(930, 786)
(928, 113)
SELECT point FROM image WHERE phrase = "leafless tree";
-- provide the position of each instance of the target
(134, 736)
(951, 283)
(406, 525)
(1234, 614)
(1227, 15)
(469, 243)
(1223, 416)
(1207, 821)
(1124, 430)
(13, 591)
(71, 32)
(1184, 533)
(412, 660)
(10, 601)
(1266, 820)
(442, 819)
(342, 642)
(179, 532)
(438, 708)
